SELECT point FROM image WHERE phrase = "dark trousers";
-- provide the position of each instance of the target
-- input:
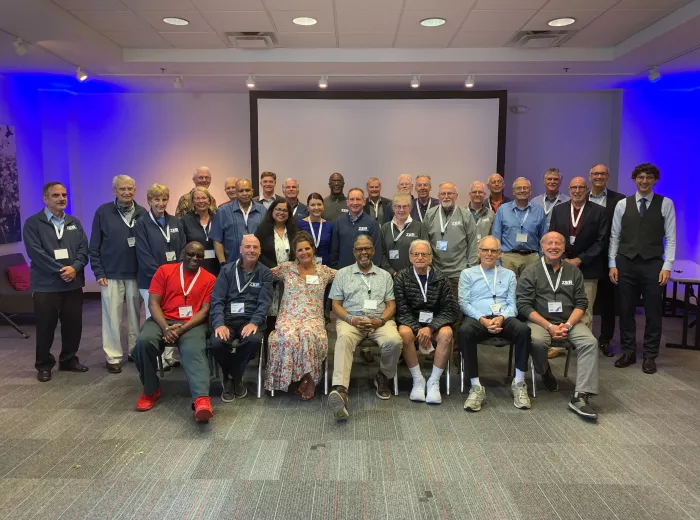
(49, 307)
(640, 277)
(471, 332)
(607, 301)
(233, 363)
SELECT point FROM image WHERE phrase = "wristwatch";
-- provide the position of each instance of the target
(569, 325)
(382, 320)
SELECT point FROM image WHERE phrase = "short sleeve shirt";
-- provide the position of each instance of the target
(166, 282)
(352, 287)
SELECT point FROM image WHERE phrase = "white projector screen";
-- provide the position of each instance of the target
(455, 139)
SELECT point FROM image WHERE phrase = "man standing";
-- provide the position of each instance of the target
(113, 261)
(423, 202)
(297, 209)
(268, 182)
(334, 205)
(405, 184)
(58, 250)
(607, 299)
(482, 213)
(377, 206)
(347, 227)
(362, 298)
(551, 297)
(496, 197)
(200, 177)
(399, 234)
(240, 217)
(519, 225)
(230, 189)
(239, 305)
(551, 197)
(642, 252)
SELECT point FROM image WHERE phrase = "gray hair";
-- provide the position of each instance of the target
(522, 179)
(491, 237)
(425, 175)
(358, 237)
(563, 240)
(447, 182)
(200, 169)
(398, 196)
(599, 164)
(119, 178)
(471, 187)
(288, 179)
(419, 242)
(553, 170)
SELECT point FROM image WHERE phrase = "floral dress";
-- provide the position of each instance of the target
(281, 255)
(299, 343)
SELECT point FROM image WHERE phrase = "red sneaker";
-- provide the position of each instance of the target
(202, 410)
(146, 402)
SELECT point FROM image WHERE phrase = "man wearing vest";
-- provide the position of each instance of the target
(640, 263)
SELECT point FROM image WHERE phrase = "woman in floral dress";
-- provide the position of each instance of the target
(299, 344)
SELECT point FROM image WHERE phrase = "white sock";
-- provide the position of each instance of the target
(437, 373)
(475, 381)
(519, 376)
(416, 373)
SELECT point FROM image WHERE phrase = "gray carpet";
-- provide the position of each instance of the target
(76, 448)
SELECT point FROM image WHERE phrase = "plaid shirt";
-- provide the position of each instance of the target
(185, 205)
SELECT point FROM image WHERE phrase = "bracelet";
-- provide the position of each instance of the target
(382, 320)
(348, 318)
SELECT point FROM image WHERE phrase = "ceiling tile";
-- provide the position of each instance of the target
(117, 21)
(239, 21)
(306, 39)
(578, 4)
(428, 5)
(410, 21)
(372, 40)
(481, 39)
(159, 5)
(194, 40)
(197, 21)
(296, 5)
(149, 39)
(651, 4)
(615, 26)
(364, 5)
(510, 4)
(583, 18)
(91, 5)
(368, 21)
(413, 40)
(283, 21)
(229, 5)
(496, 20)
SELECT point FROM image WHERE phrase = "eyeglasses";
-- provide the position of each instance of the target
(364, 249)
(477, 192)
(402, 206)
(521, 188)
(491, 251)
(576, 188)
(421, 255)
(281, 210)
(446, 194)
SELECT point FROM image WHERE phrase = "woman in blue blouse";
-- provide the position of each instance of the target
(319, 229)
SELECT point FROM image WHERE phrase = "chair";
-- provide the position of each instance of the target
(494, 342)
(555, 343)
(12, 301)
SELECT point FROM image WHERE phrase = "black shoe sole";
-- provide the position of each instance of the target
(625, 365)
(578, 412)
(114, 370)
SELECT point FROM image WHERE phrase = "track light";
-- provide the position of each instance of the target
(20, 47)
(469, 82)
(415, 82)
(80, 74)
(323, 82)
(654, 74)
(179, 82)
(250, 82)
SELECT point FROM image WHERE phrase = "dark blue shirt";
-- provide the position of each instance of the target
(324, 246)
(256, 298)
(152, 250)
(343, 239)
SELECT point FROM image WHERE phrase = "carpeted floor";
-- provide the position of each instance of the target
(76, 448)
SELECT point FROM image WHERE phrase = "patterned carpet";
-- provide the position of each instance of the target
(76, 448)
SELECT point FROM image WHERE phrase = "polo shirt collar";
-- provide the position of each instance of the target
(356, 269)
(50, 216)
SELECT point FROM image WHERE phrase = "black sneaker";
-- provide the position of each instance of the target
(229, 392)
(338, 403)
(114, 368)
(549, 381)
(381, 383)
(240, 390)
(579, 404)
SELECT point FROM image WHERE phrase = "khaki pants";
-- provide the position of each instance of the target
(517, 262)
(114, 296)
(349, 336)
(591, 289)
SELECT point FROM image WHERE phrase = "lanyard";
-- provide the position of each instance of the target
(59, 229)
(166, 233)
(549, 278)
(443, 227)
(368, 282)
(421, 215)
(129, 224)
(294, 211)
(207, 229)
(575, 221)
(522, 224)
(317, 239)
(423, 290)
(182, 280)
(403, 230)
(238, 280)
(495, 277)
(544, 203)
(376, 208)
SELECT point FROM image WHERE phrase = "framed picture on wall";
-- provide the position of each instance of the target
(10, 221)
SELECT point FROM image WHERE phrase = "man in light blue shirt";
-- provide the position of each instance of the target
(551, 197)
(519, 225)
(487, 298)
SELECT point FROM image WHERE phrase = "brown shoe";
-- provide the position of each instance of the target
(553, 352)
(114, 368)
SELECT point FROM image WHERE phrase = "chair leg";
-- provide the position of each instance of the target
(396, 382)
(568, 359)
(461, 373)
(510, 361)
(532, 370)
(160, 366)
(325, 376)
(261, 362)
(447, 376)
(14, 325)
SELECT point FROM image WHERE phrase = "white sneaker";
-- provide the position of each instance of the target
(433, 396)
(520, 398)
(476, 397)
(418, 391)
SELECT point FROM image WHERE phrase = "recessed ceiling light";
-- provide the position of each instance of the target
(305, 20)
(20, 47)
(172, 20)
(561, 22)
(323, 82)
(432, 22)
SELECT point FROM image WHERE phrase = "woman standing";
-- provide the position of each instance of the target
(299, 344)
(319, 229)
(197, 225)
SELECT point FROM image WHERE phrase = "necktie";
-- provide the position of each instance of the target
(642, 206)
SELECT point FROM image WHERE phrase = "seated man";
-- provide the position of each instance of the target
(362, 298)
(426, 310)
(239, 305)
(487, 298)
(179, 298)
(551, 296)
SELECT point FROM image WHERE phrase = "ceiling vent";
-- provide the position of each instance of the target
(540, 39)
(252, 40)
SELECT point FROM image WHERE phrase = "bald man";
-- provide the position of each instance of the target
(200, 177)
(230, 189)
(495, 185)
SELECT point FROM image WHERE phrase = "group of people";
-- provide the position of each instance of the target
(413, 273)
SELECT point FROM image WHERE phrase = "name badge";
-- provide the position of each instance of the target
(131, 241)
(554, 307)
(170, 256)
(209, 253)
(521, 237)
(318, 260)
(496, 308)
(185, 311)
(370, 305)
(441, 245)
(572, 240)
(60, 254)
(312, 279)
(425, 317)
(363, 228)
(237, 308)
(393, 254)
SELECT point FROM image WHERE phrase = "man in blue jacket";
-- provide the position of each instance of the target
(58, 250)
(113, 261)
(351, 225)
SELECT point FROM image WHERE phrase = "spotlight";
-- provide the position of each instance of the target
(415, 82)
(81, 74)
(250, 82)
(179, 82)
(20, 47)
(469, 83)
(323, 82)
(654, 74)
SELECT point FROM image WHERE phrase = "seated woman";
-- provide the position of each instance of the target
(299, 344)
(197, 224)
(321, 230)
